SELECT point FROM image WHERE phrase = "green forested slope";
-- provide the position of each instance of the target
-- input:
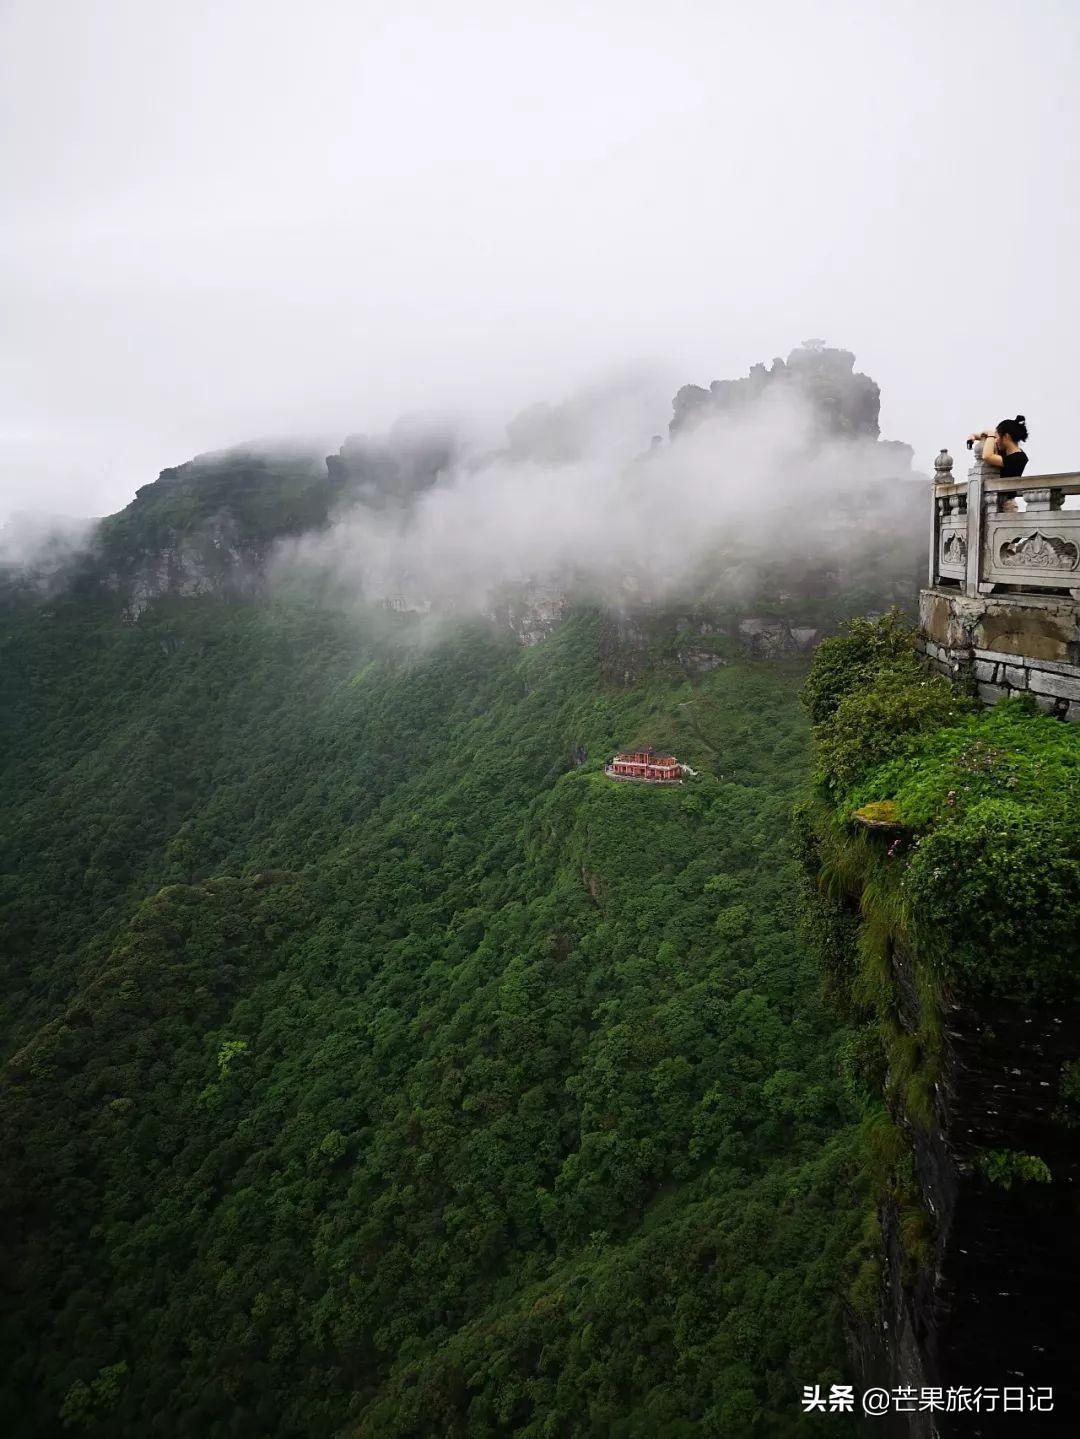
(371, 1069)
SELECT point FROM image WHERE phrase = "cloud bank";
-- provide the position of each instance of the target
(36, 550)
(575, 503)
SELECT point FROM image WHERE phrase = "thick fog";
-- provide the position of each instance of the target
(231, 221)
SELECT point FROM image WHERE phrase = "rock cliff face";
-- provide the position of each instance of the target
(694, 639)
(530, 612)
(217, 559)
(207, 527)
(1011, 1265)
(994, 1305)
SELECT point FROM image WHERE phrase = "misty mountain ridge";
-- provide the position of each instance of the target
(569, 507)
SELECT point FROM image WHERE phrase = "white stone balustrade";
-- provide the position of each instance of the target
(984, 546)
(1003, 602)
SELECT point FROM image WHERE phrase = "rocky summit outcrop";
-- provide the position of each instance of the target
(389, 471)
(843, 401)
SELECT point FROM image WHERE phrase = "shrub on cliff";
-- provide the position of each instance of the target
(995, 894)
(848, 662)
(870, 725)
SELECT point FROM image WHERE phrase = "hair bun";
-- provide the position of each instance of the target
(1021, 420)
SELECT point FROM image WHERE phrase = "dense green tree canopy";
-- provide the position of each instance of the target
(374, 1068)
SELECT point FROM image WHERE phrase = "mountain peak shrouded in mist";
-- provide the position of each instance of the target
(841, 401)
(383, 471)
(579, 502)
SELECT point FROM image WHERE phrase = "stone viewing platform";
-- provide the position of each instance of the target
(1003, 599)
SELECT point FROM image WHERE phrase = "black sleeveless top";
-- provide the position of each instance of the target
(1012, 466)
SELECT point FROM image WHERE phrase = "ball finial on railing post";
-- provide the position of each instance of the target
(943, 468)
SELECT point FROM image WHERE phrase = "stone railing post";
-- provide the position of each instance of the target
(979, 471)
(943, 464)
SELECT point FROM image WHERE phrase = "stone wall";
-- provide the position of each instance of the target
(1007, 644)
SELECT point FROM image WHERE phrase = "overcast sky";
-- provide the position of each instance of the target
(231, 218)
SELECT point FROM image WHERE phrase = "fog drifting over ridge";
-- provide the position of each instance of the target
(225, 221)
(574, 506)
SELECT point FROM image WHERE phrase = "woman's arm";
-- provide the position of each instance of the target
(989, 453)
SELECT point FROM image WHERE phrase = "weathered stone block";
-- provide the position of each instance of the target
(985, 671)
(1015, 676)
(934, 616)
(1002, 658)
(1039, 636)
(990, 694)
(1063, 686)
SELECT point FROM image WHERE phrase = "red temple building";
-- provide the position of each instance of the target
(646, 764)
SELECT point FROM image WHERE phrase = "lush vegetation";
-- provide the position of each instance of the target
(941, 842)
(981, 862)
(261, 494)
(373, 1067)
